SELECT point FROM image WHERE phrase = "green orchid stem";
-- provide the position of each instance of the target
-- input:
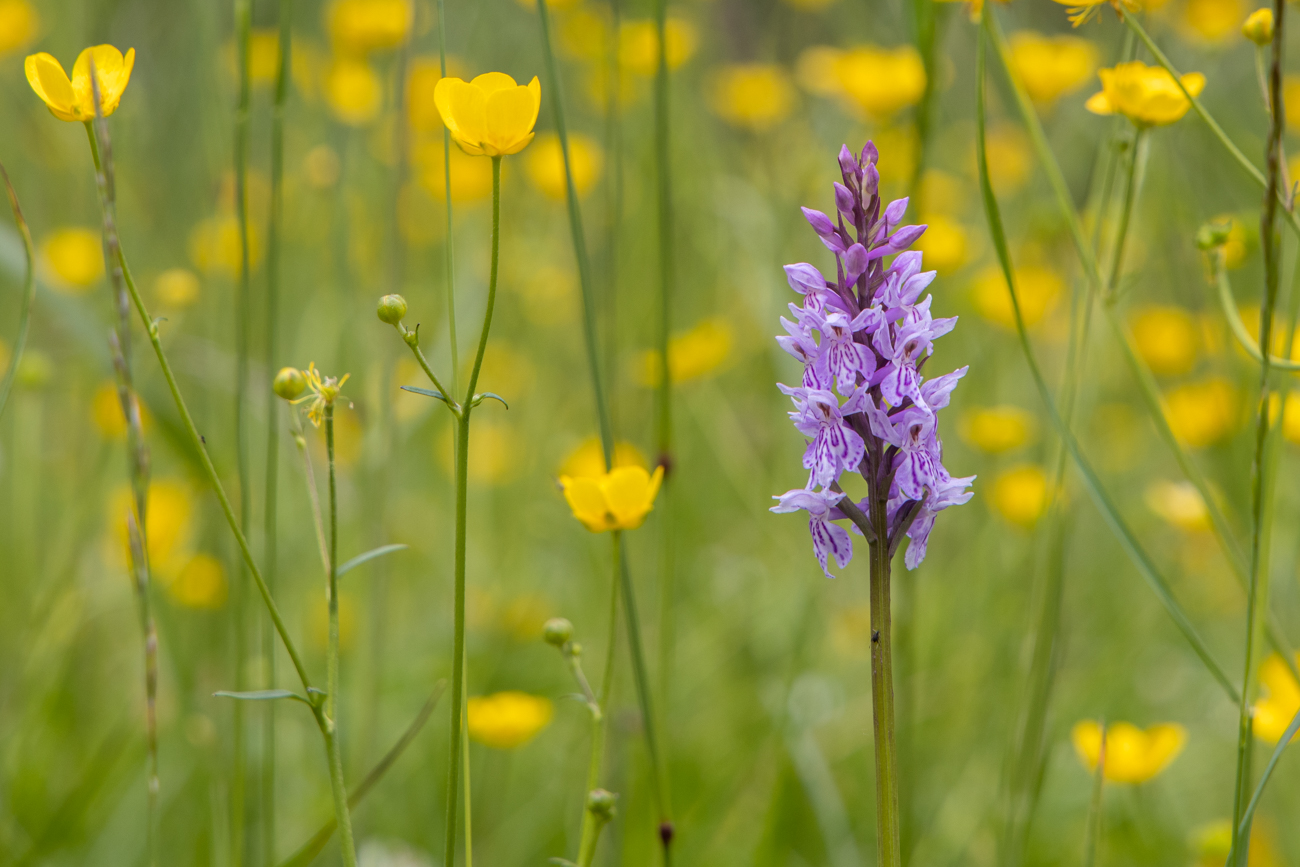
(888, 838)
(462, 479)
(331, 708)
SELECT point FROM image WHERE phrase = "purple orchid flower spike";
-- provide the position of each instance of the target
(835, 446)
(828, 539)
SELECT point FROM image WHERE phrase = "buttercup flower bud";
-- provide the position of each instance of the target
(392, 309)
(1212, 235)
(557, 631)
(1259, 27)
(289, 383)
(601, 803)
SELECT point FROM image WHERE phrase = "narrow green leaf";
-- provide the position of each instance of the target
(367, 557)
(1249, 816)
(478, 398)
(261, 695)
(427, 392)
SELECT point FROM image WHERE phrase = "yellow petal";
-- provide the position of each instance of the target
(1099, 103)
(1194, 82)
(491, 82)
(464, 109)
(109, 66)
(47, 78)
(1164, 742)
(587, 502)
(1086, 736)
(630, 492)
(510, 118)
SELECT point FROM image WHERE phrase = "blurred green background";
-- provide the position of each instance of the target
(762, 683)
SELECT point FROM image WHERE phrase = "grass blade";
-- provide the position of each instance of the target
(368, 556)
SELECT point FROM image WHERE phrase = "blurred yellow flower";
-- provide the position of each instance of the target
(638, 45)
(490, 115)
(362, 26)
(1251, 316)
(1020, 494)
(1146, 95)
(598, 89)
(692, 354)
(18, 25)
(493, 454)
(881, 81)
(1037, 290)
(816, 70)
(1214, 20)
(72, 259)
(1214, 844)
(1166, 337)
(1202, 413)
(169, 524)
(997, 429)
(176, 288)
(587, 461)
(471, 179)
(583, 34)
(1258, 26)
(215, 247)
(1281, 700)
(1132, 755)
(1010, 159)
(1180, 504)
(940, 193)
(900, 143)
(618, 500)
(74, 99)
(946, 244)
(754, 96)
(200, 584)
(106, 412)
(1291, 418)
(545, 165)
(353, 91)
(263, 57)
(1239, 241)
(507, 720)
(1051, 66)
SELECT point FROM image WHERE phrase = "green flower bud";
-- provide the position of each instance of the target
(600, 803)
(1212, 235)
(391, 309)
(557, 631)
(289, 383)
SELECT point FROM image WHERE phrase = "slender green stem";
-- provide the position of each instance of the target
(1092, 842)
(1248, 817)
(29, 292)
(591, 823)
(663, 175)
(1228, 302)
(449, 272)
(1126, 211)
(888, 840)
(469, 789)
(925, 29)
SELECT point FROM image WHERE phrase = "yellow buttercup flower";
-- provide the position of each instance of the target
(353, 91)
(638, 45)
(1167, 338)
(997, 429)
(618, 500)
(72, 259)
(1132, 755)
(74, 99)
(692, 354)
(1051, 66)
(1213, 20)
(1180, 504)
(1281, 700)
(753, 96)
(176, 288)
(490, 115)
(1146, 95)
(945, 244)
(323, 391)
(881, 81)
(18, 25)
(1258, 26)
(545, 165)
(168, 524)
(1203, 413)
(362, 26)
(507, 720)
(1021, 495)
(200, 584)
(106, 412)
(1037, 290)
(587, 461)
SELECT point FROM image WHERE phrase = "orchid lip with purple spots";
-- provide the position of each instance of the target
(865, 337)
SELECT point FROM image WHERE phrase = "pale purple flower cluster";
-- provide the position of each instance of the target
(863, 338)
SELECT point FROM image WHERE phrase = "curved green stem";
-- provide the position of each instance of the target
(1235, 324)
(449, 270)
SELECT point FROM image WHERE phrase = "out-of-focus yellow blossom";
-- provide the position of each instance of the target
(471, 179)
(1239, 239)
(106, 412)
(1167, 338)
(1258, 26)
(1010, 158)
(587, 461)
(754, 96)
(816, 70)
(318, 619)
(618, 500)
(362, 26)
(263, 57)
(201, 583)
(18, 25)
(1021, 494)
(583, 34)
(72, 259)
(322, 167)
(997, 429)
(215, 247)
(940, 193)
(1180, 504)
(1280, 702)
(494, 456)
(1132, 755)
(74, 99)
(1251, 316)
(1051, 66)
(168, 524)
(638, 45)
(176, 288)
(1037, 290)
(1146, 95)
(900, 144)
(1291, 102)
(1214, 845)
(881, 81)
(545, 165)
(353, 91)
(946, 244)
(1203, 413)
(1291, 418)
(598, 87)
(692, 354)
(1213, 20)
(490, 115)
(507, 720)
